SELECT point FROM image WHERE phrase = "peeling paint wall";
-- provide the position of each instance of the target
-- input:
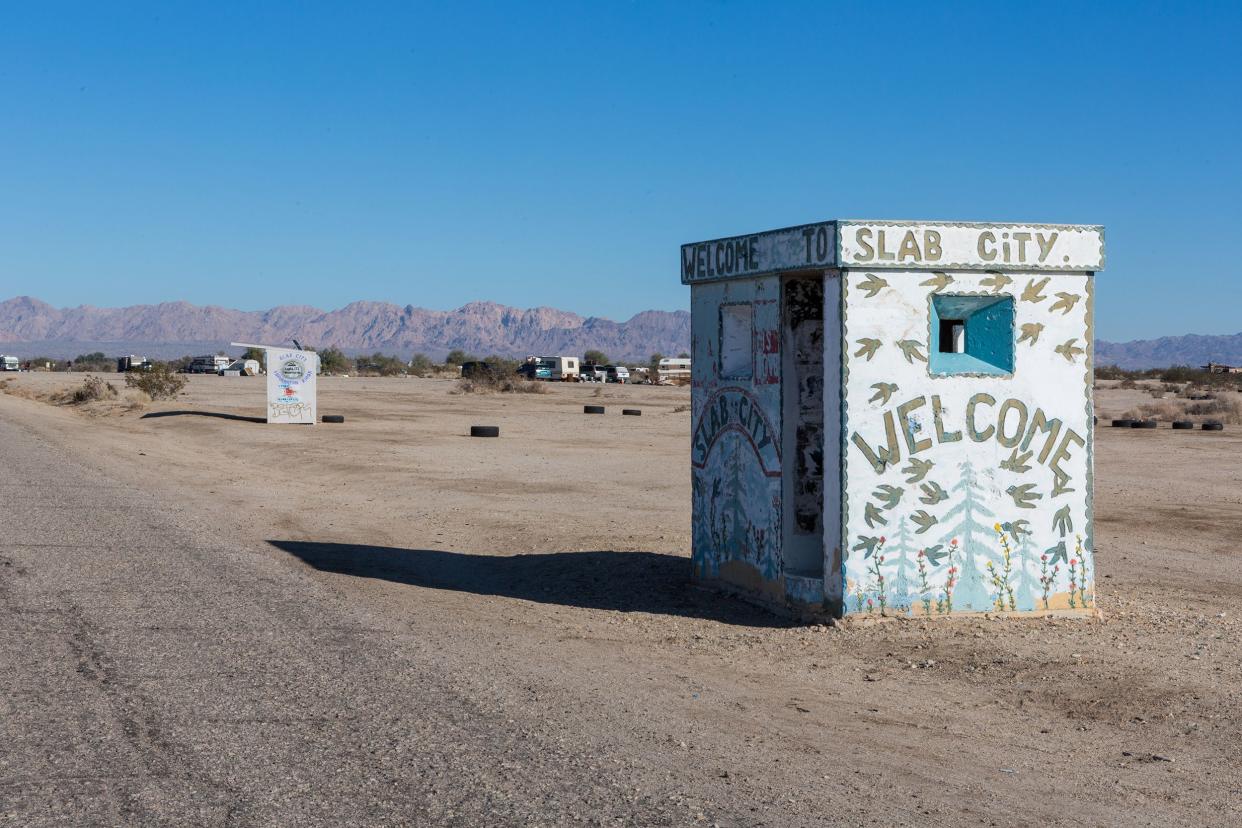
(966, 492)
(736, 442)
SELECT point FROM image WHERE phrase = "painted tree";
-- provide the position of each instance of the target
(903, 553)
(1026, 585)
(974, 533)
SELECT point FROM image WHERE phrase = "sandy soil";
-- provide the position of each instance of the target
(554, 560)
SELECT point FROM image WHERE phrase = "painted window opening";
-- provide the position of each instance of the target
(736, 336)
(952, 336)
(975, 335)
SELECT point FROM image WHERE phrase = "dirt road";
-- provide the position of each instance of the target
(384, 623)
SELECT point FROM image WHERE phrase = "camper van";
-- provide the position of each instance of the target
(9, 363)
(617, 373)
(673, 371)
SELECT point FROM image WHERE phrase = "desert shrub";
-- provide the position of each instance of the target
(487, 383)
(1226, 409)
(1128, 382)
(92, 389)
(1156, 393)
(379, 365)
(421, 365)
(1165, 410)
(159, 383)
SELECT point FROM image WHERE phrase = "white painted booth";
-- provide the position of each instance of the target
(895, 417)
(291, 383)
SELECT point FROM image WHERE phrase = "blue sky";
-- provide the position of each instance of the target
(557, 154)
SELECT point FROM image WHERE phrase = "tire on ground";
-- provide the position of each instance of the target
(1123, 423)
(1144, 424)
(1182, 425)
(1213, 426)
(484, 431)
(633, 412)
(592, 409)
(333, 418)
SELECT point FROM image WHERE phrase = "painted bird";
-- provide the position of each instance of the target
(872, 516)
(1033, 290)
(917, 469)
(910, 348)
(932, 493)
(868, 347)
(872, 284)
(1031, 332)
(924, 521)
(1062, 524)
(1058, 553)
(1059, 485)
(1017, 462)
(889, 496)
(1023, 496)
(883, 391)
(938, 282)
(996, 282)
(934, 555)
(1065, 303)
(1069, 350)
(867, 542)
(1017, 528)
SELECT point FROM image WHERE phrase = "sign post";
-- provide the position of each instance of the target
(291, 386)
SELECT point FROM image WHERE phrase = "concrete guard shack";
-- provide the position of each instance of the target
(895, 417)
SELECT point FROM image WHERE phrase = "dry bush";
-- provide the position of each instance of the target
(92, 389)
(491, 384)
(1223, 408)
(159, 383)
(1165, 410)
(681, 408)
(1128, 383)
(1156, 393)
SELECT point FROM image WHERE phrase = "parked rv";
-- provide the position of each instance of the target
(9, 363)
(673, 371)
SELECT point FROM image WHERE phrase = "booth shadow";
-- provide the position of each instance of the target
(217, 414)
(620, 581)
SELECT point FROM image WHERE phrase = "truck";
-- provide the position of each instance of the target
(9, 363)
(617, 373)
(208, 364)
(132, 363)
(551, 368)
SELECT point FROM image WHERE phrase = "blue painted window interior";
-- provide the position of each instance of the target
(971, 335)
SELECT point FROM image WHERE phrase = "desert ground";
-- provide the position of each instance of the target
(537, 584)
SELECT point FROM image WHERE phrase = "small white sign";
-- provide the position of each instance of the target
(291, 385)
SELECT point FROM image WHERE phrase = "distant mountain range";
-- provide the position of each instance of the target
(29, 327)
(1191, 349)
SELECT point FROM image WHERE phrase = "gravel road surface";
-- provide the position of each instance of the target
(155, 675)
